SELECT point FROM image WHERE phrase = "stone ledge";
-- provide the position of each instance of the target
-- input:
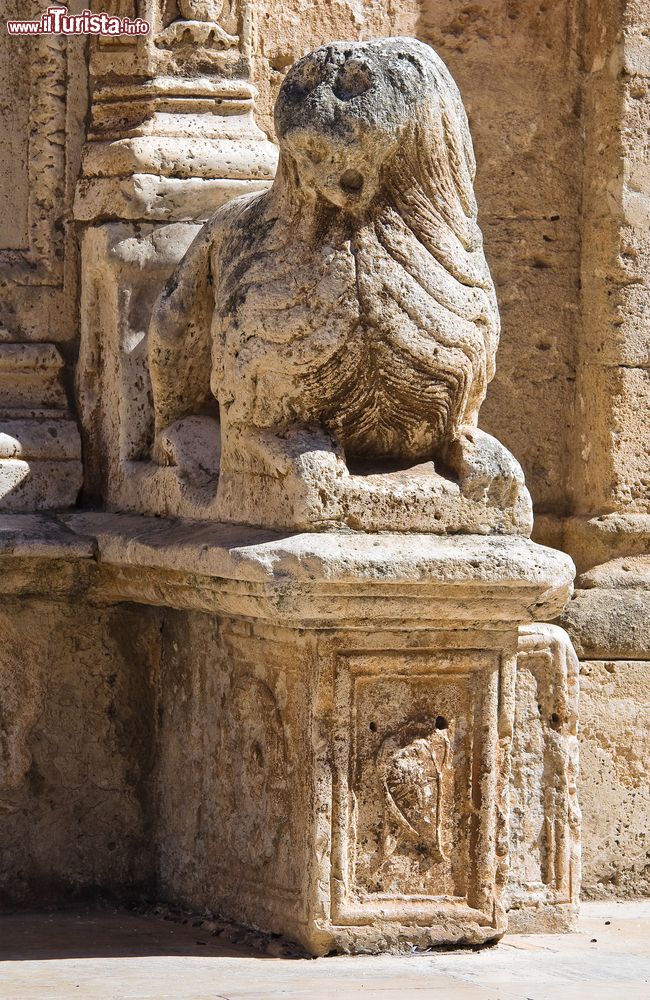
(595, 539)
(318, 578)
(42, 536)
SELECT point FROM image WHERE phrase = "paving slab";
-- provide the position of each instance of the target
(107, 954)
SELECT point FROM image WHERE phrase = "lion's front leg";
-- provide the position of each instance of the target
(288, 480)
(486, 470)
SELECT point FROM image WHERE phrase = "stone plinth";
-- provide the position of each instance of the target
(333, 722)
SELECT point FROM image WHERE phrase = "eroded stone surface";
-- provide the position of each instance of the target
(322, 712)
(545, 832)
(614, 793)
(40, 447)
(335, 376)
(76, 700)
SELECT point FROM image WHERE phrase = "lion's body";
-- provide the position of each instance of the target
(323, 334)
(353, 316)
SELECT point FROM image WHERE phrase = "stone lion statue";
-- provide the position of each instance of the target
(345, 319)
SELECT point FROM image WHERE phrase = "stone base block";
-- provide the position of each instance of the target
(361, 786)
(359, 799)
(331, 721)
(356, 717)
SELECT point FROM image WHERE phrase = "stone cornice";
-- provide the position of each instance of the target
(303, 580)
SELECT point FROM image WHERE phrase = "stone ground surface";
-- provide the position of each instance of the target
(112, 955)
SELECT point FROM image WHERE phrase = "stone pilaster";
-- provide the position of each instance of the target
(609, 533)
(172, 136)
(611, 470)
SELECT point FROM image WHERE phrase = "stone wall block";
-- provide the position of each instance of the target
(614, 794)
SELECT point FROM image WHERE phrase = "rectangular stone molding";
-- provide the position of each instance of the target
(419, 743)
(40, 447)
(545, 821)
(172, 133)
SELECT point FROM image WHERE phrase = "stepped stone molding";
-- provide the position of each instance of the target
(40, 446)
(172, 132)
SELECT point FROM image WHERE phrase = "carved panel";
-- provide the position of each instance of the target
(545, 816)
(20, 703)
(418, 801)
(187, 37)
(259, 784)
(33, 108)
(253, 744)
(210, 23)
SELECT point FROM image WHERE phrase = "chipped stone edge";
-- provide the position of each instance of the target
(314, 579)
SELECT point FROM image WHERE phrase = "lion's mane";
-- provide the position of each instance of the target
(430, 324)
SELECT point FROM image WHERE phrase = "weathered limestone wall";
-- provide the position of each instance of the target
(517, 68)
(43, 103)
(614, 791)
(77, 695)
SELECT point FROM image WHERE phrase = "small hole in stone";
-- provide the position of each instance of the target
(441, 722)
(555, 719)
(373, 727)
(354, 79)
(351, 181)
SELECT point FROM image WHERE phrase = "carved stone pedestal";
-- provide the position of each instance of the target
(347, 739)
(335, 719)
